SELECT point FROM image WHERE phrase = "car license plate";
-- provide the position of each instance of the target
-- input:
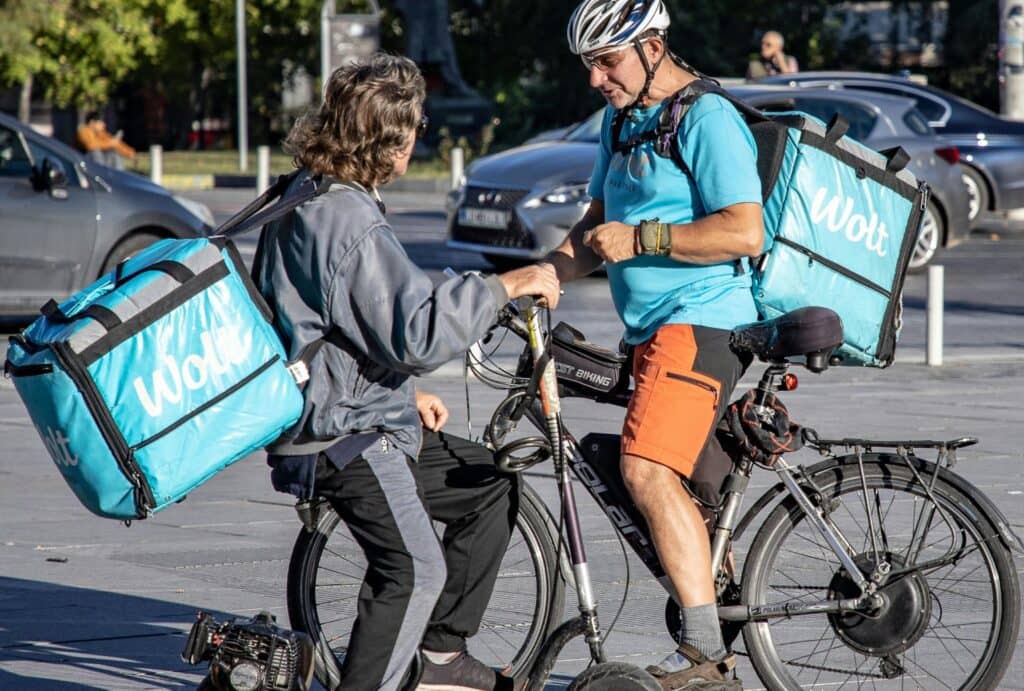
(483, 218)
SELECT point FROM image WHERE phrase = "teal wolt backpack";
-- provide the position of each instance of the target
(162, 372)
(840, 220)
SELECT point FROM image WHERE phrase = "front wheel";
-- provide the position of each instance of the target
(950, 624)
(614, 676)
(326, 573)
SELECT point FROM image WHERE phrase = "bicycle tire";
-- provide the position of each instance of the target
(884, 474)
(531, 556)
(614, 676)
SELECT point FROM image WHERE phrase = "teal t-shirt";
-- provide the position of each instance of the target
(650, 292)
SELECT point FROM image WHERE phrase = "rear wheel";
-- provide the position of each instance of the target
(326, 573)
(929, 238)
(977, 192)
(950, 604)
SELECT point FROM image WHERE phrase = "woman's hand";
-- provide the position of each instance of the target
(432, 410)
(535, 279)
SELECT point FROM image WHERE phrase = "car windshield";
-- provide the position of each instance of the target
(587, 131)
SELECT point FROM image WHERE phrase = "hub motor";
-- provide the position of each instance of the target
(893, 627)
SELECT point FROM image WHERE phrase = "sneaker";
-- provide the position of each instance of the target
(703, 673)
(464, 673)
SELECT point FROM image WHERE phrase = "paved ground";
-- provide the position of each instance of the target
(89, 604)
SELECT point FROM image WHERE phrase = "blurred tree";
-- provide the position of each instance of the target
(20, 57)
(970, 67)
(197, 67)
(79, 49)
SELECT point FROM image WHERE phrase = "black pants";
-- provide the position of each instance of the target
(385, 499)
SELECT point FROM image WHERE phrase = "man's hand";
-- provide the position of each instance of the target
(536, 279)
(432, 410)
(613, 242)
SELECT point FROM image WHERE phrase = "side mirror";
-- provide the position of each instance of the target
(50, 175)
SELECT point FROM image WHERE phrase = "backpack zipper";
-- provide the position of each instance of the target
(838, 268)
(96, 406)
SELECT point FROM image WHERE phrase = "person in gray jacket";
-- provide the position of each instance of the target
(348, 300)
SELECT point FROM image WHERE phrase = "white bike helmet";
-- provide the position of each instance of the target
(598, 24)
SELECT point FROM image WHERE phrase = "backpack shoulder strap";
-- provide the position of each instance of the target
(257, 213)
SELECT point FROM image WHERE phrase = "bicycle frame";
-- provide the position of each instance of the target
(598, 473)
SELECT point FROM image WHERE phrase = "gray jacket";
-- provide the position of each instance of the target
(333, 269)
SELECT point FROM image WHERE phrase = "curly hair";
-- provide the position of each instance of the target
(368, 110)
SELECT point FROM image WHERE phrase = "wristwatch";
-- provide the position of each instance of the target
(653, 238)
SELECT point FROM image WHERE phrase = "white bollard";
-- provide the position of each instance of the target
(458, 164)
(263, 169)
(936, 300)
(156, 164)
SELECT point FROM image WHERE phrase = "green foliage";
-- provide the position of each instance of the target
(198, 65)
(514, 51)
(80, 49)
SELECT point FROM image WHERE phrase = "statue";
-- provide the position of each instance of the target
(429, 43)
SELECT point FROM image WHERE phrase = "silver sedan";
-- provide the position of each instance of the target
(518, 205)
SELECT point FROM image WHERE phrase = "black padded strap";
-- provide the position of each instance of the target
(311, 187)
(270, 194)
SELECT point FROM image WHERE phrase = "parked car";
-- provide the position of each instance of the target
(991, 147)
(66, 220)
(518, 205)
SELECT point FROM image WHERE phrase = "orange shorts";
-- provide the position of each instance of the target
(683, 376)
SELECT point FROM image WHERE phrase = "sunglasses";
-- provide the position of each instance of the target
(606, 60)
(422, 125)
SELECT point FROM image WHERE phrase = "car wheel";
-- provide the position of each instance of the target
(128, 246)
(977, 192)
(501, 263)
(929, 239)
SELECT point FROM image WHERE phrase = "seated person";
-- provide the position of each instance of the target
(100, 145)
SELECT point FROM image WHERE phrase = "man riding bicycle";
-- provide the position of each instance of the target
(674, 242)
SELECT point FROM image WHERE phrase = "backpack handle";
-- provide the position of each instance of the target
(837, 127)
(896, 159)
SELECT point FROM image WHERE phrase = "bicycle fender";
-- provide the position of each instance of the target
(981, 503)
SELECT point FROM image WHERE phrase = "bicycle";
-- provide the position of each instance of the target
(326, 571)
(877, 548)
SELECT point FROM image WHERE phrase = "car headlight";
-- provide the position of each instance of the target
(575, 193)
(197, 209)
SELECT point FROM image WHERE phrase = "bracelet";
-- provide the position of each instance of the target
(653, 238)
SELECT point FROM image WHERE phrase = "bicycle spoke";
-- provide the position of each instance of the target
(929, 674)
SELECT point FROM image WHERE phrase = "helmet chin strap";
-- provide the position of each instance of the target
(638, 102)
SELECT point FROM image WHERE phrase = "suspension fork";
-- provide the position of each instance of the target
(552, 412)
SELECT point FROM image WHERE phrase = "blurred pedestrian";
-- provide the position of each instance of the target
(101, 146)
(771, 60)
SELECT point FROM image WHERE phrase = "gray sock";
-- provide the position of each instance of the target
(702, 630)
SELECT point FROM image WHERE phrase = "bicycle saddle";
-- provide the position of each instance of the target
(813, 332)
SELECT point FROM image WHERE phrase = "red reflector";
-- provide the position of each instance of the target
(789, 382)
(949, 154)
